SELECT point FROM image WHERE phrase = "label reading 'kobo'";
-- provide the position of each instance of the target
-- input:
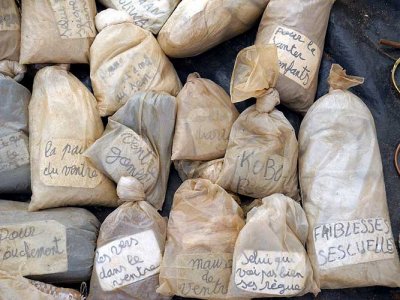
(74, 18)
(256, 171)
(298, 55)
(127, 260)
(33, 248)
(353, 242)
(129, 155)
(9, 16)
(271, 272)
(13, 151)
(62, 164)
(204, 275)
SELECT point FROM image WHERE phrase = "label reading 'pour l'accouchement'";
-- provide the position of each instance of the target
(127, 260)
(298, 55)
(270, 272)
(33, 248)
(353, 242)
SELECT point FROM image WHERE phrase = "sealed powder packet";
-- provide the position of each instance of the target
(148, 14)
(270, 259)
(57, 31)
(137, 142)
(202, 229)
(204, 120)
(14, 287)
(197, 26)
(125, 59)
(129, 248)
(60, 174)
(14, 145)
(350, 242)
(55, 246)
(10, 30)
(298, 30)
(261, 158)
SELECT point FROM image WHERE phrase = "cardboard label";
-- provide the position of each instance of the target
(33, 248)
(298, 56)
(9, 16)
(74, 19)
(62, 164)
(145, 13)
(128, 73)
(353, 242)
(128, 260)
(271, 272)
(13, 151)
(204, 275)
(129, 155)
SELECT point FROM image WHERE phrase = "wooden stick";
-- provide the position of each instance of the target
(390, 43)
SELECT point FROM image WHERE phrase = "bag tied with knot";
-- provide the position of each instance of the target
(204, 119)
(64, 122)
(350, 241)
(261, 158)
(270, 259)
(202, 229)
(125, 59)
(129, 248)
(137, 142)
(298, 29)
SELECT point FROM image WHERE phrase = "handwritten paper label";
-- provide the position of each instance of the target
(74, 18)
(62, 164)
(149, 14)
(257, 171)
(34, 248)
(298, 55)
(128, 73)
(353, 242)
(13, 151)
(127, 260)
(271, 272)
(9, 16)
(130, 155)
(204, 275)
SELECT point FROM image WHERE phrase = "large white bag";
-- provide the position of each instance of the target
(297, 28)
(270, 259)
(350, 242)
(63, 122)
(198, 25)
(125, 59)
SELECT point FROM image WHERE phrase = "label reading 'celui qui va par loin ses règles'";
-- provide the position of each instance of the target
(270, 272)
